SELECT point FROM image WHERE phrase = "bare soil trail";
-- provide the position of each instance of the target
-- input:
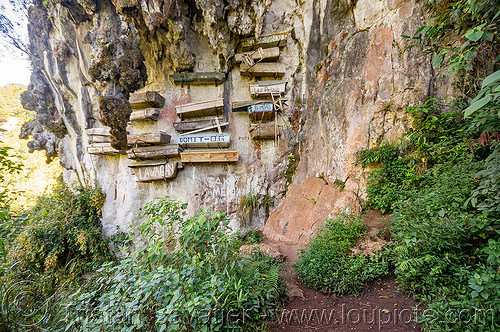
(381, 306)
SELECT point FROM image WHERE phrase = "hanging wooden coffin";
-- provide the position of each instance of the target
(242, 106)
(267, 88)
(146, 100)
(211, 140)
(202, 108)
(269, 69)
(261, 111)
(210, 156)
(260, 54)
(265, 41)
(148, 114)
(148, 172)
(199, 78)
(103, 149)
(154, 152)
(148, 138)
(98, 135)
(200, 124)
(267, 130)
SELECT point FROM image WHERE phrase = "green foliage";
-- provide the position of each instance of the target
(444, 192)
(189, 276)
(291, 167)
(250, 237)
(250, 202)
(50, 248)
(327, 264)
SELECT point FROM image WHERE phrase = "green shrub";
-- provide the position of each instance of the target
(444, 191)
(55, 243)
(190, 275)
(327, 264)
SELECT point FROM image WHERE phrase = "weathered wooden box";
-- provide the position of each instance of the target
(147, 114)
(261, 111)
(267, 88)
(146, 100)
(202, 108)
(148, 138)
(154, 171)
(210, 156)
(154, 152)
(265, 41)
(199, 78)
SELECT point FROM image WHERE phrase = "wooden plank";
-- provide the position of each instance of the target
(154, 152)
(167, 171)
(183, 126)
(202, 108)
(260, 54)
(147, 114)
(199, 78)
(209, 156)
(266, 88)
(148, 138)
(98, 131)
(265, 41)
(261, 111)
(212, 140)
(224, 124)
(146, 100)
(264, 130)
(263, 69)
(99, 139)
(103, 149)
(142, 163)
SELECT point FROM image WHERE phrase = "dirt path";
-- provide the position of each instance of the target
(381, 306)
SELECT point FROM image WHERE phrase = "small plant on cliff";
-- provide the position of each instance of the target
(327, 264)
(291, 167)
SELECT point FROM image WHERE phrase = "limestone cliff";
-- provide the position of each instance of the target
(349, 79)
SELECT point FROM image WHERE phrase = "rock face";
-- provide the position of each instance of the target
(349, 80)
(305, 208)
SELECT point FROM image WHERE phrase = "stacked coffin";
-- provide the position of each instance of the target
(100, 142)
(200, 126)
(260, 59)
(150, 153)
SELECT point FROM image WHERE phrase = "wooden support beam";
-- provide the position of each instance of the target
(147, 114)
(210, 156)
(201, 108)
(183, 126)
(265, 41)
(148, 138)
(268, 69)
(260, 54)
(103, 149)
(264, 130)
(199, 78)
(154, 152)
(146, 100)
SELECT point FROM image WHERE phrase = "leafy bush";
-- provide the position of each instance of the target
(446, 228)
(190, 275)
(327, 263)
(55, 243)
